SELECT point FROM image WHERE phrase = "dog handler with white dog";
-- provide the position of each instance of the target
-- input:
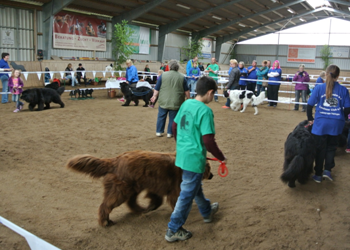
(194, 132)
(333, 102)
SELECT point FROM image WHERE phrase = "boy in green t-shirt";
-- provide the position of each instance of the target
(194, 132)
(213, 70)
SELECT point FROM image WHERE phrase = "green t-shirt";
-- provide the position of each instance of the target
(214, 67)
(194, 120)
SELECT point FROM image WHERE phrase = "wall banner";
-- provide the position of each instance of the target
(72, 31)
(301, 53)
(340, 52)
(141, 39)
(207, 48)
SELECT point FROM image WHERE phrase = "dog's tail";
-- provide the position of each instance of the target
(258, 99)
(60, 90)
(93, 166)
(294, 169)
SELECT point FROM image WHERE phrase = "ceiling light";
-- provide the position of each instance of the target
(349, 8)
(256, 30)
(216, 17)
(291, 11)
(241, 25)
(302, 19)
(183, 6)
(274, 1)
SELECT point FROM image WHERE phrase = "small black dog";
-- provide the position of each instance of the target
(299, 155)
(89, 92)
(134, 94)
(42, 96)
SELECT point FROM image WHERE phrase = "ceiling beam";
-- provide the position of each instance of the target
(53, 7)
(236, 35)
(211, 30)
(340, 2)
(136, 12)
(183, 21)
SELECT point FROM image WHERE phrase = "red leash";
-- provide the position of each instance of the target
(222, 170)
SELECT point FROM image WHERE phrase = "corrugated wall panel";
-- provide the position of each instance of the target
(152, 56)
(176, 40)
(7, 17)
(39, 18)
(109, 30)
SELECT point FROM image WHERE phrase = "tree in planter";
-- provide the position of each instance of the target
(193, 49)
(122, 38)
(325, 56)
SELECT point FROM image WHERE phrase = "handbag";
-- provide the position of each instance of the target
(265, 84)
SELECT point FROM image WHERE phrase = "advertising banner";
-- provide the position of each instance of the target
(207, 48)
(72, 31)
(340, 52)
(141, 39)
(301, 53)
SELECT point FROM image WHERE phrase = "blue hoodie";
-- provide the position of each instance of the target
(131, 74)
(189, 66)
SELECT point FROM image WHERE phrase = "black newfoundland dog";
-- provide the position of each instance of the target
(134, 94)
(42, 96)
(299, 155)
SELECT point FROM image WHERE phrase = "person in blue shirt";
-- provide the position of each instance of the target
(333, 105)
(320, 78)
(47, 76)
(131, 74)
(4, 77)
(190, 63)
(262, 75)
(244, 74)
(275, 73)
(252, 70)
(193, 75)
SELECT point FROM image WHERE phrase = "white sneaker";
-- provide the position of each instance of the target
(159, 134)
(214, 209)
(169, 135)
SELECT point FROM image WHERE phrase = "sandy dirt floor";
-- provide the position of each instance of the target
(257, 211)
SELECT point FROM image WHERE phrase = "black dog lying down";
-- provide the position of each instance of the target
(299, 155)
(42, 96)
(81, 92)
(134, 94)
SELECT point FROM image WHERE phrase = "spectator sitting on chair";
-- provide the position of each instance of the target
(71, 75)
(47, 76)
(162, 67)
(320, 78)
(80, 74)
(147, 69)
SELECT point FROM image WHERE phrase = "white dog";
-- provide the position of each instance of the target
(238, 97)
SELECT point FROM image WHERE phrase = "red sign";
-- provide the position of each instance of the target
(71, 31)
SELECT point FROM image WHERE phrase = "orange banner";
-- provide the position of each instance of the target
(301, 53)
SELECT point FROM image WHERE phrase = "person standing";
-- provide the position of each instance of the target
(4, 77)
(172, 88)
(333, 105)
(193, 77)
(190, 64)
(274, 74)
(71, 75)
(80, 74)
(15, 84)
(262, 75)
(244, 75)
(194, 136)
(213, 70)
(252, 70)
(301, 88)
(233, 82)
(131, 74)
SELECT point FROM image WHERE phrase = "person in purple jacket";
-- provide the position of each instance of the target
(301, 87)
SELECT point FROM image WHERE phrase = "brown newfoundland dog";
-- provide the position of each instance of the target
(128, 174)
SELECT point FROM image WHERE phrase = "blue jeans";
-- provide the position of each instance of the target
(162, 114)
(303, 94)
(259, 88)
(191, 188)
(191, 83)
(215, 96)
(4, 80)
(74, 80)
(15, 98)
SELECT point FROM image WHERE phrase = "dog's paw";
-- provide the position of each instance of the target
(107, 223)
(291, 184)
